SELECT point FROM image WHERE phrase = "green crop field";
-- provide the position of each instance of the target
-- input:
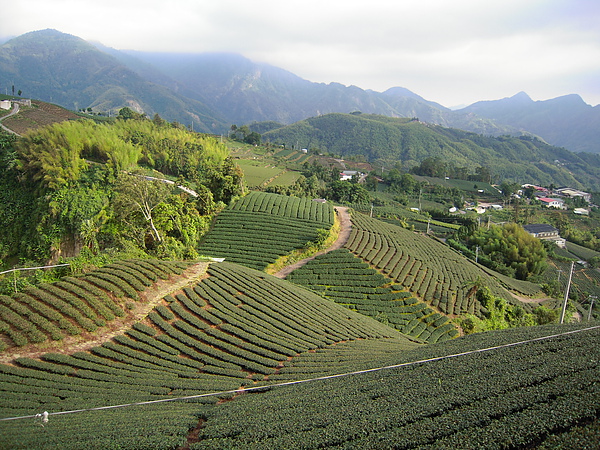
(581, 252)
(231, 330)
(423, 266)
(463, 185)
(145, 354)
(540, 394)
(346, 279)
(258, 173)
(287, 178)
(76, 305)
(261, 227)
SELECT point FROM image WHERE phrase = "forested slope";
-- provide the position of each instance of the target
(389, 140)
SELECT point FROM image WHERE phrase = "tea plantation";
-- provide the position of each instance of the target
(355, 349)
(261, 227)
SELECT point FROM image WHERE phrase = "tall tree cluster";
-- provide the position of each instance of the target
(86, 185)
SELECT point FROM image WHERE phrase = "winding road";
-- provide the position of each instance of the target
(14, 111)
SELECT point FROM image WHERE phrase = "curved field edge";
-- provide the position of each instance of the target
(235, 328)
(260, 228)
(346, 279)
(79, 311)
(430, 270)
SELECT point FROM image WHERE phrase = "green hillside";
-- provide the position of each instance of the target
(385, 140)
(424, 266)
(347, 280)
(541, 394)
(232, 329)
(259, 228)
(189, 341)
(164, 381)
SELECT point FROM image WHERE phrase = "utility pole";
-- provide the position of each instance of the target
(592, 298)
(564, 308)
(371, 210)
(477, 254)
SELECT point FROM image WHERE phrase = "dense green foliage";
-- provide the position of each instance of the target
(347, 280)
(77, 185)
(509, 249)
(317, 181)
(388, 140)
(524, 396)
(261, 227)
(228, 331)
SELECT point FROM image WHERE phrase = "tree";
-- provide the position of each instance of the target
(137, 196)
(253, 138)
(344, 192)
(510, 247)
(431, 167)
(52, 155)
(508, 189)
(127, 113)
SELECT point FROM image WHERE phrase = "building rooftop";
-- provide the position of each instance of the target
(535, 228)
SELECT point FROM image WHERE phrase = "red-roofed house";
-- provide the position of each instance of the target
(552, 202)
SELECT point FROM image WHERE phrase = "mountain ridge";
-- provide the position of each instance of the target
(399, 141)
(214, 90)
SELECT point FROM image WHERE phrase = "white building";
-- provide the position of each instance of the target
(546, 232)
(553, 203)
(573, 193)
(5, 104)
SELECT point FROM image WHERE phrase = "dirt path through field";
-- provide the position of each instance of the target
(149, 299)
(345, 229)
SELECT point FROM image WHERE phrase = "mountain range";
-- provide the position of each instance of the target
(211, 91)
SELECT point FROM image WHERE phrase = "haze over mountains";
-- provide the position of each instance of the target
(211, 91)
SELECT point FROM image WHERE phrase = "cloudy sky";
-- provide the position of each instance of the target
(453, 52)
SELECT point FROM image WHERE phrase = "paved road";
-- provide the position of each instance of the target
(14, 111)
(345, 229)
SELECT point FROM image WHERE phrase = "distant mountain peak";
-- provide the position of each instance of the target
(399, 91)
(521, 96)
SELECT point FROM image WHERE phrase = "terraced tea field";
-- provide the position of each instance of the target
(462, 394)
(235, 328)
(423, 266)
(261, 227)
(178, 372)
(347, 280)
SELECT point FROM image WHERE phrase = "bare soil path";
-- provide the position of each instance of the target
(148, 300)
(345, 229)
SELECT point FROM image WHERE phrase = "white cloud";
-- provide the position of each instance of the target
(450, 52)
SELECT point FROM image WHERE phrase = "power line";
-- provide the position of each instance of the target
(289, 383)
(33, 268)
